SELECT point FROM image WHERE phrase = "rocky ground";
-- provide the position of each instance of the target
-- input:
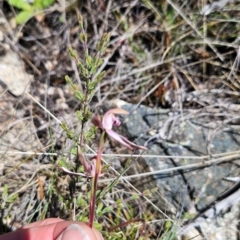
(173, 66)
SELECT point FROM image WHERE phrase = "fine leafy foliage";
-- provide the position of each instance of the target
(27, 9)
(91, 205)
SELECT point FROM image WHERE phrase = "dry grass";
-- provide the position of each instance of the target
(161, 54)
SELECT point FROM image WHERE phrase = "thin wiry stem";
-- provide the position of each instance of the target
(192, 25)
(137, 191)
(95, 181)
(46, 110)
(111, 155)
(174, 169)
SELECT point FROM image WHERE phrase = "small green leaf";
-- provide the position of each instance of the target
(44, 211)
(89, 61)
(73, 87)
(99, 77)
(91, 85)
(81, 202)
(80, 115)
(100, 207)
(99, 62)
(82, 218)
(21, 4)
(135, 196)
(37, 4)
(93, 70)
(23, 17)
(69, 133)
(5, 191)
(12, 198)
(72, 53)
(80, 20)
(85, 72)
(188, 216)
(80, 65)
(47, 3)
(74, 151)
(98, 226)
(64, 126)
(90, 135)
(102, 44)
(106, 210)
(83, 37)
(168, 225)
(79, 96)
(62, 163)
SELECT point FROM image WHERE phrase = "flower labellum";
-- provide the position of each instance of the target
(108, 121)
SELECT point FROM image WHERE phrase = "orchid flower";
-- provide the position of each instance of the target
(89, 168)
(108, 121)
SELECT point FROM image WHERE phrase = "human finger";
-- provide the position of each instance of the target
(59, 230)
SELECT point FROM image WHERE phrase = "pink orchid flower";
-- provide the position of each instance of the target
(89, 168)
(108, 121)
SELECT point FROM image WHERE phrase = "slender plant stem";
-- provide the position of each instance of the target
(95, 181)
(93, 200)
(85, 104)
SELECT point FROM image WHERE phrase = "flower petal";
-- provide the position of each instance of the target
(118, 111)
(107, 121)
(133, 144)
(83, 161)
(109, 118)
(96, 120)
(124, 141)
(73, 173)
(118, 138)
(116, 121)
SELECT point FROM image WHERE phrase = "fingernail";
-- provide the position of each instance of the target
(73, 232)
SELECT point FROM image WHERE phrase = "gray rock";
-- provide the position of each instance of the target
(12, 74)
(204, 141)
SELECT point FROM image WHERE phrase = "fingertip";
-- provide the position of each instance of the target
(56, 230)
(98, 235)
(79, 231)
(73, 232)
